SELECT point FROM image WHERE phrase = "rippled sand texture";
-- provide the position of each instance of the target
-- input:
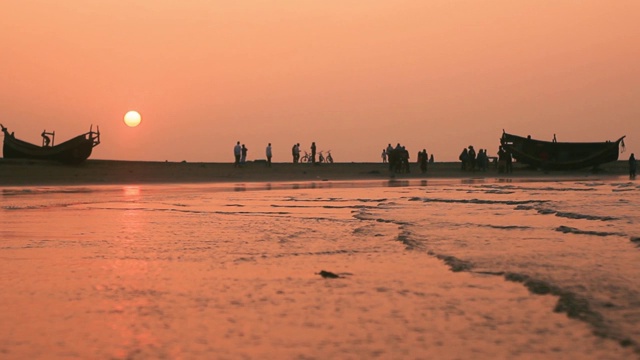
(203, 271)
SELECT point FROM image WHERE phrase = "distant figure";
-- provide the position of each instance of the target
(237, 151)
(509, 165)
(45, 139)
(464, 158)
(390, 156)
(268, 153)
(384, 156)
(632, 167)
(297, 153)
(472, 158)
(313, 153)
(502, 159)
(293, 153)
(431, 160)
(405, 167)
(243, 158)
(423, 159)
(480, 160)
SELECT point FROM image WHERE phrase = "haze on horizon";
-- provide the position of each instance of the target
(352, 76)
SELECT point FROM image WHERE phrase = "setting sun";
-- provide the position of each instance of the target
(132, 118)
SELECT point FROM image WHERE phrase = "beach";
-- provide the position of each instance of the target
(146, 260)
(33, 172)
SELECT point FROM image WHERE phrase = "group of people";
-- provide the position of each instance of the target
(398, 158)
(472, 161)
(240, 154)
(295, 153)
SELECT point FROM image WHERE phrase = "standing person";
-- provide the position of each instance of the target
(502, 159)
(237, 151)
(313, 153)
(384, 156)
(296, 152)
(632, 167)
(423, 158)
(243, 158)
(293, 153)
(472, 158)
(509, 164)
(464, 158)
(268, 153)
(390, 156)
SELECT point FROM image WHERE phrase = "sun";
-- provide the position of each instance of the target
(132, 118)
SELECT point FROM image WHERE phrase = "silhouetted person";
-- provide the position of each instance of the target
(464, 159)
(502, 159)
(293, 153)
(423, 159)
(480, 160)
(404, 160)
(431, 159)
(313, 153)
(268, 154)
(472, 158)
(45, 139)
(384, 156)
(243, 158)
(632, 167)
(390, 156)
(237, 152)
(509, 165)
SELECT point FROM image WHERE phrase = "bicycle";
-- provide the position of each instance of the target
(325, 159)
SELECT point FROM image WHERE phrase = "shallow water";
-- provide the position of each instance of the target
(231, 271)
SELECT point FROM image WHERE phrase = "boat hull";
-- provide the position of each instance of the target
(551, 155)
(73, 151)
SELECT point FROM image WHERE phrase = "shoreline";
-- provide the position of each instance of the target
(24, 172)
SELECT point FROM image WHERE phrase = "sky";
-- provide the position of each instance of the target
(353, 76)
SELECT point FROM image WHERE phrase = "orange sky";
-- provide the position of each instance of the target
(352, 76)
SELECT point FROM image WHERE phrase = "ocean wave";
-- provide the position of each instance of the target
(478, 201)
(568, 215)
(406, 238)
(571, 230)
(507, 227)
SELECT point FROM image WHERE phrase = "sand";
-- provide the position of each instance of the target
(15, 172)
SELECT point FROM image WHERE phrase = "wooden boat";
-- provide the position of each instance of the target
(73, 151)
(553, 155)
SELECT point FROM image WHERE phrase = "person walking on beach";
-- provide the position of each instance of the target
(237, 151)
(632, 167)
(384, 156)
(268, 153)
(243, 151)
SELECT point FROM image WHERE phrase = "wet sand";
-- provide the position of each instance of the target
(31, 172)
(235, 275)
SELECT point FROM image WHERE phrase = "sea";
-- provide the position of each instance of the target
(387, 269)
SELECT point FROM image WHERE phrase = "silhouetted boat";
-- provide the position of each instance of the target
(553, 155)
(73, 151)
